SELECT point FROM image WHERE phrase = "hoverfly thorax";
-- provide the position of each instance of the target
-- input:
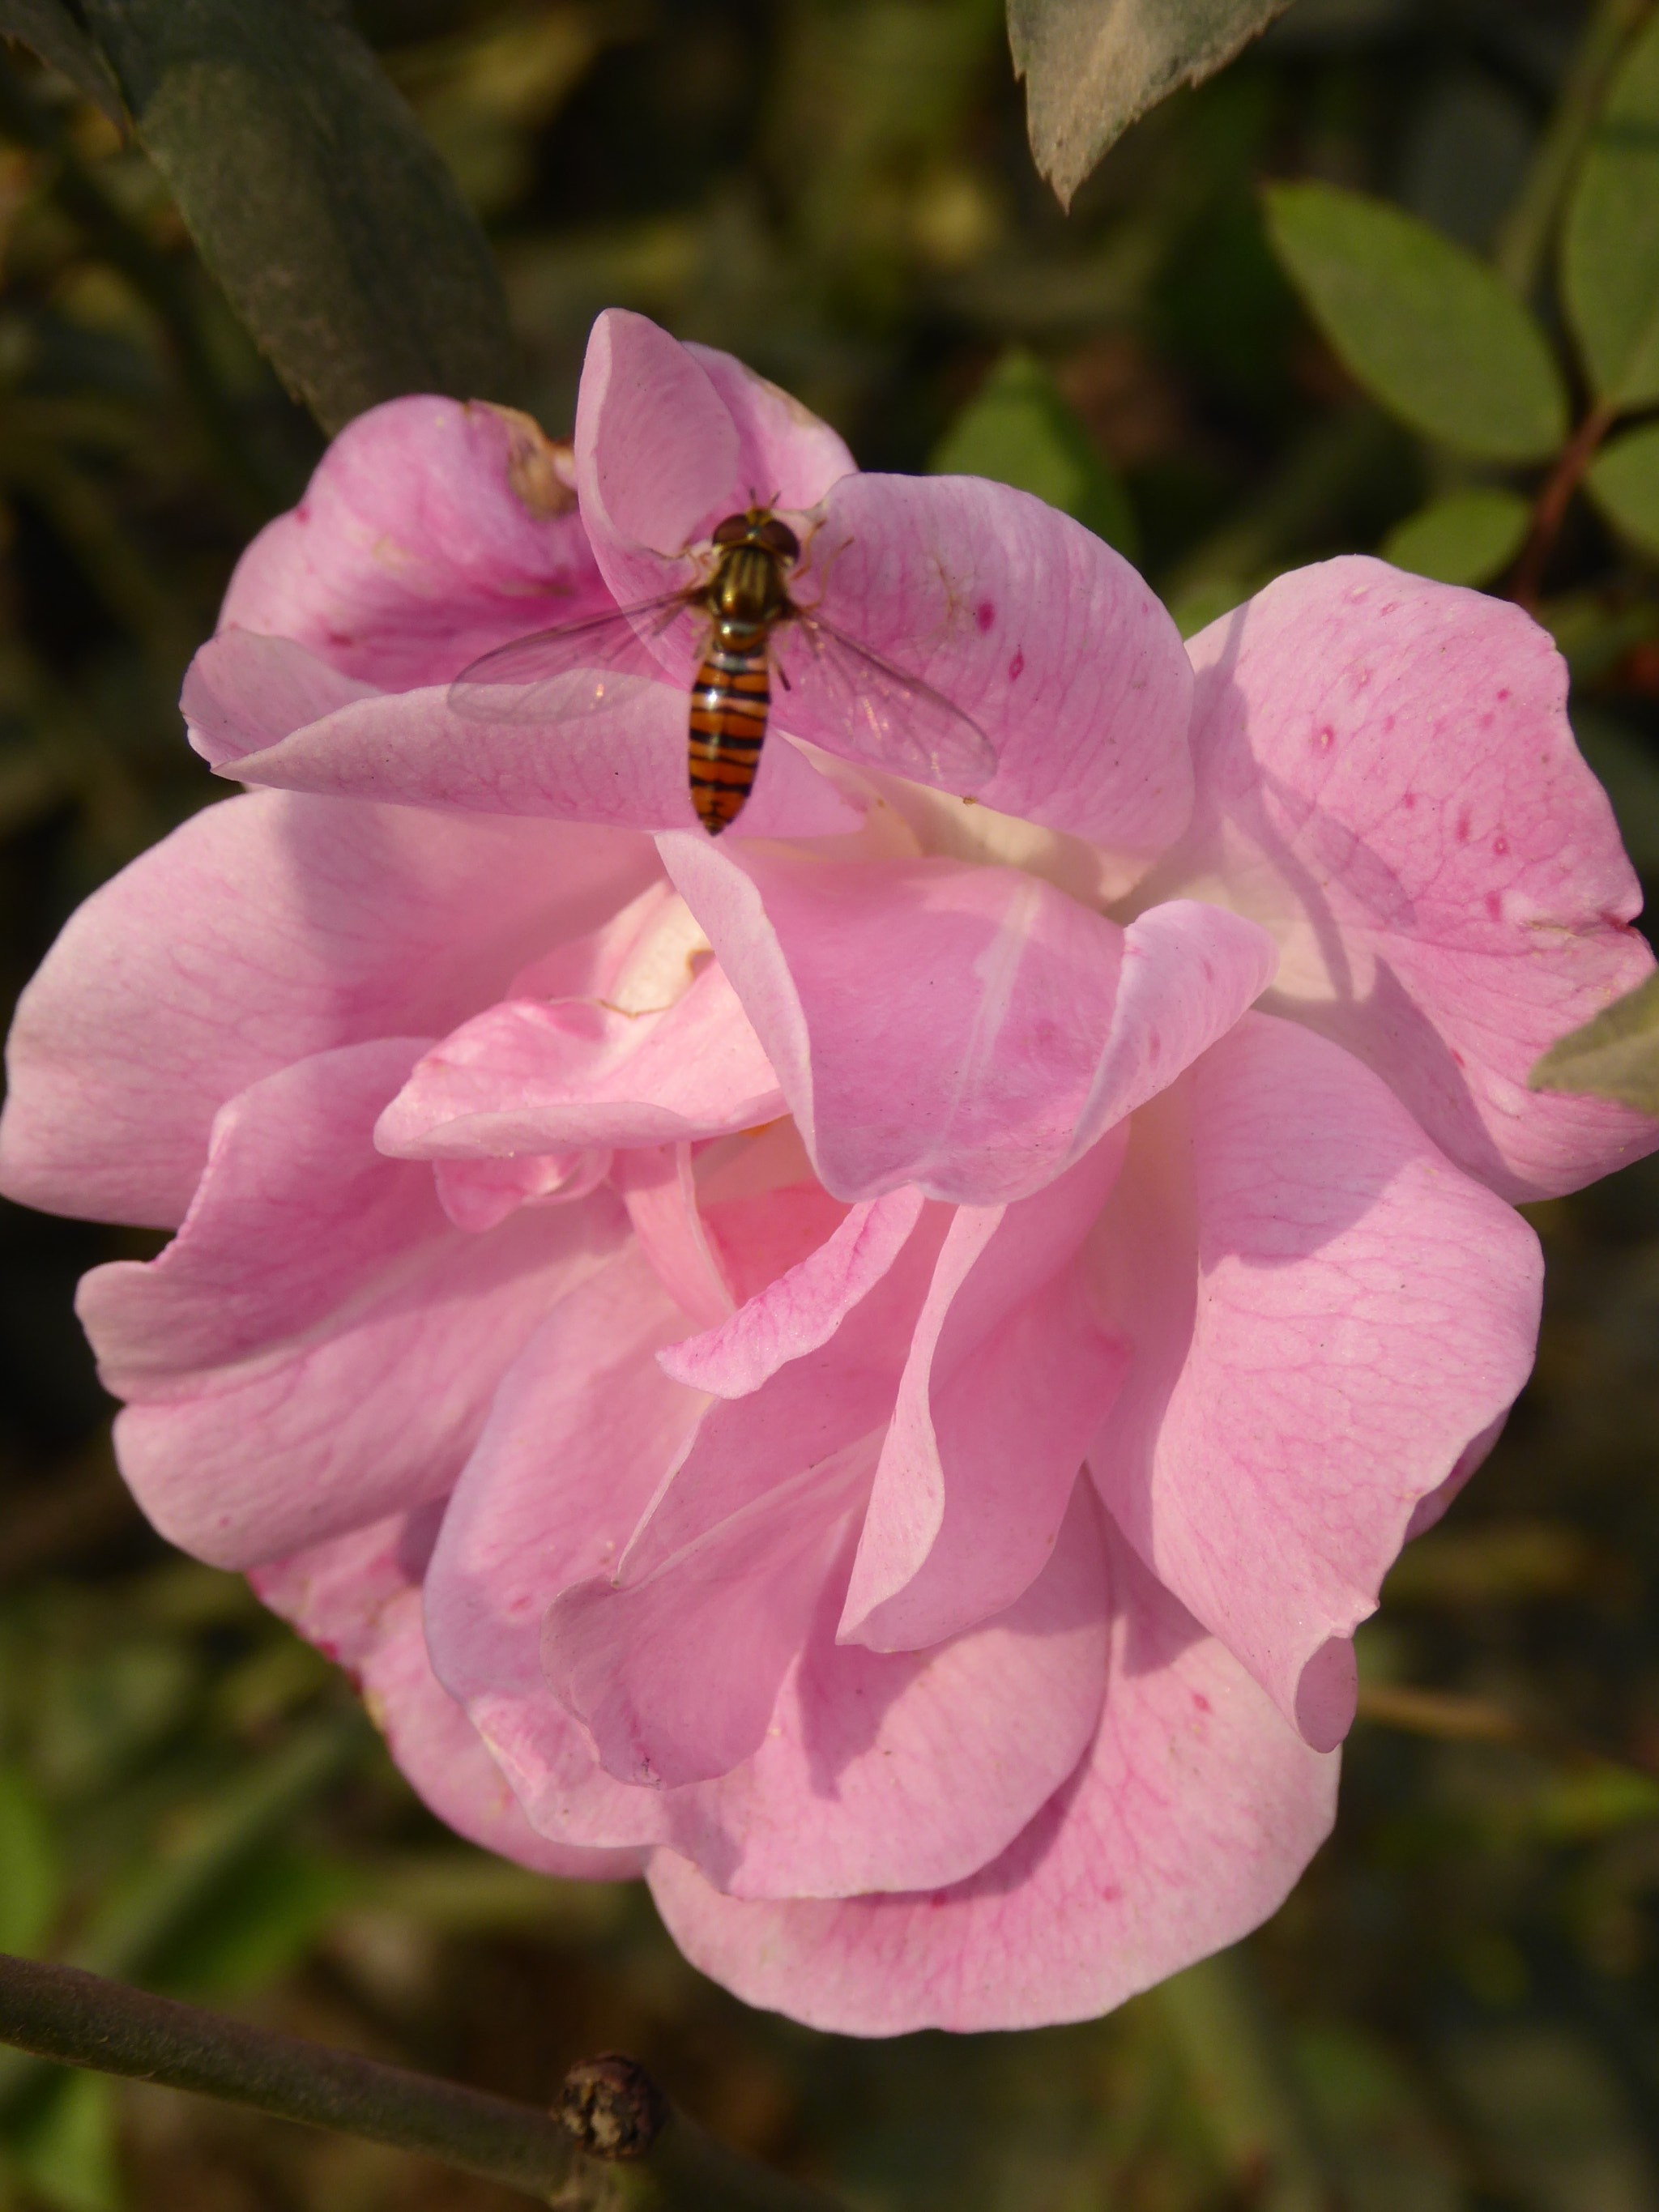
(754, 553)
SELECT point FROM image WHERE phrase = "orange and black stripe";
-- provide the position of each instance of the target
(730, 701)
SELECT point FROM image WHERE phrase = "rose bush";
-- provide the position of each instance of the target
(868, 1369)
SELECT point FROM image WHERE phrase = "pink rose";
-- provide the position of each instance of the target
(644, 1302)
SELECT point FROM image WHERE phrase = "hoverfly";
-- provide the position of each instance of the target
(886, 716)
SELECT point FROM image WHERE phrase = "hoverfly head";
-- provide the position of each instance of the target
(758, 526)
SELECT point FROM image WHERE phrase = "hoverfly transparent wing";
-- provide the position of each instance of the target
(556, 675)
(887, 716)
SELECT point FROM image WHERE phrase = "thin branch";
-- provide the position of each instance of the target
(59, 2012)
(1452, 1718)
(81, 2019)
(1443, 1713)
(1555, 499)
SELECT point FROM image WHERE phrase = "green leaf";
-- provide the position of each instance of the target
(29, 1880)
(1610, 242)
(1019, 430)
(1624, 482)
(1614, 1056)
(1468, 537)
(1091, 66)
(1428, 330)
(315, 197)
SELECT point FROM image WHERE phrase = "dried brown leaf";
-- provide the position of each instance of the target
(1091, 66)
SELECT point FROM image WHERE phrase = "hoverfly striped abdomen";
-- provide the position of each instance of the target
(730, 698)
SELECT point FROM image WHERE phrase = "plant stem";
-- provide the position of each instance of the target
(1524, 240)
(60, 2013)
(1452, 1718)
(1555, 496)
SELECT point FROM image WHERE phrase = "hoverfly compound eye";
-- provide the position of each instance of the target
(778, 538)
(734, 531)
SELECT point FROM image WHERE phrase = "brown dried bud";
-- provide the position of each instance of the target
(540, 470)
(610, 2107)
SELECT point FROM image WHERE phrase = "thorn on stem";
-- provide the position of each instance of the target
(610, 2107)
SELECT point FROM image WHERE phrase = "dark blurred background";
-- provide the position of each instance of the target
(1459, 2006)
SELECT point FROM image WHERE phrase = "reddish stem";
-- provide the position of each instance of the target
(1555, 499)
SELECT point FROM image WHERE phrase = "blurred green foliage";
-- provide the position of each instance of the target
(1458, 2011)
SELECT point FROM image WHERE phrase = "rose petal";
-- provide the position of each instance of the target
(431, 531)
(528, 1077)
(818, 1403)
(801, 1311)
(759, 1237)
(671, 440)
(311, 1280)
(1324, 1313)
(1387, 780)
(1189, 971)
(1026, 622)
(261, 931)
(882, 1771)
(478, 1194)
(970, 1030)
(582, 1432)
(1184, 1827)
(243, 692)
(675, 1672)
(733, 1550)
(786, 457)
(292, 1216)
(358, 1598)
(660, 1190)
(1010, 1375)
